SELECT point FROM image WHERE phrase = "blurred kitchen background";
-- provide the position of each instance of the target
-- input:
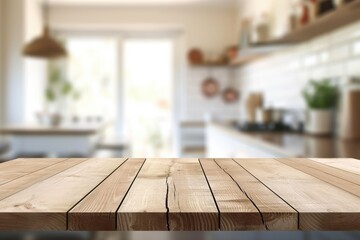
(179, 78)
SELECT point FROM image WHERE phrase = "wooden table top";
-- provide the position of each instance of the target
(180, 194)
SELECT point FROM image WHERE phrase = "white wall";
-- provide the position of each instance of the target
(13, 60)
(211, 28)
(22, 77)
(282, 76)
(208, 27)
(35, 69)
(197, 107)
(2, 92)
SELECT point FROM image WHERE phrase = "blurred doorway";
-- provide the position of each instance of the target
(148, 71)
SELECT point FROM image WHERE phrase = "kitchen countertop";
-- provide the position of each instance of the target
(78, 129)
(295, 144)
(180, 194)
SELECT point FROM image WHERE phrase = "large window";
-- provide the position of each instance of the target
(92, 70)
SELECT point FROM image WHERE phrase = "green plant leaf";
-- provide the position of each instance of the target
(55, 76)
(50, 95)
(321, 94)
(66, 88)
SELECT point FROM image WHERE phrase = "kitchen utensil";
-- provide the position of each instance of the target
(231, 53)
(263, 116)
(210, 87)
(253, 101)
(195, 56)
(230, 95)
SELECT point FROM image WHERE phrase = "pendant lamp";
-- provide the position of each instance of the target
(44, 46)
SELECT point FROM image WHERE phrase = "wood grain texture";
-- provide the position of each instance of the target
(28, 180)
(321, 206)
(144, 208)
(237, 212)
(14, 169)
(97, 212)
(271, 212)
(346, 164)
(44, 205)
(190, 201)
(180, 194)
(169, 194)
(345, 180)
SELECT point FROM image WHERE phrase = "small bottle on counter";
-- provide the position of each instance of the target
(313, 9)
(293, 18)
(305, 14)
(263, 28)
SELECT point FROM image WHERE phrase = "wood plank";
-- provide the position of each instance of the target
(144, 208)
(237, 212)
(190, 201)
(346, 164)
(331, 21)
(14, 169)
(44, 205)
(347, 181)
(28, 180)
(169, 194)
(97, 212)
(321, 206)
(242, 193)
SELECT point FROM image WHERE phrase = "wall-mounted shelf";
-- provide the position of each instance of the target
(331, 21)
(254, 53)
(208, 65)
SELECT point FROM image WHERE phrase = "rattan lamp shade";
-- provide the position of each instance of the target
(44, 46)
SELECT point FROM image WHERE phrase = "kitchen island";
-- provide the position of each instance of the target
(180, 194)
(63, 140)
(225, 140)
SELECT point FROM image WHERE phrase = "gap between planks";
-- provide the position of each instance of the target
(242, 190)
(39, 207)
(345, 180)
(212, 193)
(16, 185)
(297, 212)
(308, 195)
(238, 210)
(36, 169)
(67, 213)
(169, 194)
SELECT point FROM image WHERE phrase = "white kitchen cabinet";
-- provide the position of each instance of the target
(224, 142)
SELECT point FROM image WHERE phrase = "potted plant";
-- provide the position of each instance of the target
(57, 91)
(321, 98)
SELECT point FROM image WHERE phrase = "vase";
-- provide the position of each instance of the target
(319, 121)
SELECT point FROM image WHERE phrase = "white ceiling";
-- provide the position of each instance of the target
(142, 2)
